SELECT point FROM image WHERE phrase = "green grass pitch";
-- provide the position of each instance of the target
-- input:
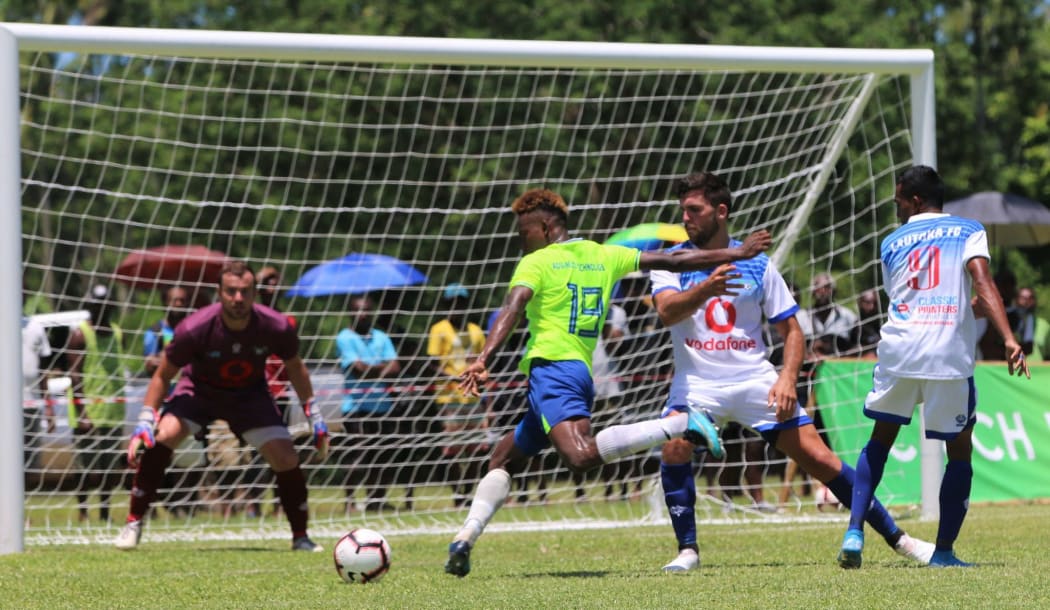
(751, 566)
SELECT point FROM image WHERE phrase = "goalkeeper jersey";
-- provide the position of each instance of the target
(930, 332)
(571, 282)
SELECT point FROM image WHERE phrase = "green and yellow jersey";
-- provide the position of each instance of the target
(572, 283)
(102, 377)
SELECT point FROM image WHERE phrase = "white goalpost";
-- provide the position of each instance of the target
(290, 150)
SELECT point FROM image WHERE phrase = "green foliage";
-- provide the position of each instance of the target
(992, 83)
(743, 566)
(991, 70)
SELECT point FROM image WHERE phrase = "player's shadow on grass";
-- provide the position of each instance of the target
(573, 574)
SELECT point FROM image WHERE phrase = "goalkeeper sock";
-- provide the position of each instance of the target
(148, 478)
(291, 489)
(617, 442)
(492, 491)
(680, 497)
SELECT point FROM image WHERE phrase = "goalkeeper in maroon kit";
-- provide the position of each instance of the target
(221, 351)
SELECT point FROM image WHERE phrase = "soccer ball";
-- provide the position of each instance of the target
(825, 500)
(362, 556)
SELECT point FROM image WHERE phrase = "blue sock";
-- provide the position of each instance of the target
(877, 516)
(955, 501)
(680, 497)
(863, 505)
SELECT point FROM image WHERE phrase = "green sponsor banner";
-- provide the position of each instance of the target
(1011, 439)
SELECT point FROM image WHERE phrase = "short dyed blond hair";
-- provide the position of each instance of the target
(541, 199)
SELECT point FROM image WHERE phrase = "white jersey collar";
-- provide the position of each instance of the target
(928, 216)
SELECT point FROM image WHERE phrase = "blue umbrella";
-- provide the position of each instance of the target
(356, 273)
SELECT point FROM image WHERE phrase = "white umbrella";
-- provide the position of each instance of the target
(1010, 220)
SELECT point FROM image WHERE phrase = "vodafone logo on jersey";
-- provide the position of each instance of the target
(720, 317)
(721, 345)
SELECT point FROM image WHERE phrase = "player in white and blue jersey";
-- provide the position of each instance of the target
(563, 286)
(927, 351)
(721, 367)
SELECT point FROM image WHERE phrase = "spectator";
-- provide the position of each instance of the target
(608, 396)
(34, 385)
(742, 472)
(257, 477)
(606, 382)
(368, 360)
(96, 412)
(176, 299)
(506, 397)
(832, 333)
(828, 318)
(870, 324)
(643, 358)
(1031, 331)
(276, 375)
(803, 385)
(990, 344)
(180, 488)
(452, 343)
(776, 344)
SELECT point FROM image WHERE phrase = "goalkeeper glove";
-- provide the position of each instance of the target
(143, 434)
(319, 427)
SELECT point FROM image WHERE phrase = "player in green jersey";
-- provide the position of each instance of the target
(563, 287)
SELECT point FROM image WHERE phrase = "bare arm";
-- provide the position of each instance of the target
(387, 368)
(991, 303)
(49, 403)
(507, 320)
(160, 382)
(304, 389)
(75, 346)
(157, 389)
(695, 259)
(784, 393)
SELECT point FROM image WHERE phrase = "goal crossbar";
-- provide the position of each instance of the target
(480, 52)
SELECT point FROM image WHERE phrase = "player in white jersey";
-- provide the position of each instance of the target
(927, 351)
(720, 366)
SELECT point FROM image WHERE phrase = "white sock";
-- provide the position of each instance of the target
(617, 442)
(492, 491)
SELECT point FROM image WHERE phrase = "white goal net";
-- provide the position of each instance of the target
(292, 151)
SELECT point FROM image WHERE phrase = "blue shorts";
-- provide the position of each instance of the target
(558, 390)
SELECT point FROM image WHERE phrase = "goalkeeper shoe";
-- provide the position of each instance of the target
(852, 548)
(947, 559)
(303, 543)
(129, 535)
(915, 549)
(458, 562)
(687, 559)
(702, 431)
